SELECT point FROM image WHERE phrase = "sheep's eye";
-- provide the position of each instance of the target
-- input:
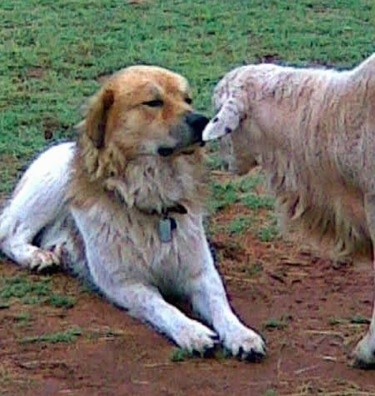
(189, 101)
(154, 103)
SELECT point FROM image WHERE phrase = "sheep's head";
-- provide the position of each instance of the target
(231, 125)
(226, 121)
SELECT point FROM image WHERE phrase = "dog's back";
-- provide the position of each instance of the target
(29, 211)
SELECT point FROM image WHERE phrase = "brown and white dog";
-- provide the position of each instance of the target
(313, 132)
(125, 205)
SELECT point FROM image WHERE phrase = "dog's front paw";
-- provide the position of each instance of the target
(364, 353)
(197, 338)
(44, 260)
(244, 343)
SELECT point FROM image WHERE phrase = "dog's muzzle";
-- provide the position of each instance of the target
(188, 134)
(197, 123)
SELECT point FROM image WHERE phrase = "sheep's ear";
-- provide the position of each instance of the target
(97, 115)
(225, 121)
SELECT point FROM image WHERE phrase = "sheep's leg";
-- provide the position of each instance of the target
(364, 353)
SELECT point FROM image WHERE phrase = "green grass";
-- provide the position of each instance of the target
(256, 202)
(61, 301)
(357, 320)
(244, 193)
(276, 323)
(27, 291)
(223, 195)
(67, 336)
(254, 269)
(270, 392)
(23, 318)
(268, 232)
(180, 355)
(226, 194)
(21, 287)
(239, 225)
(54, 52)
(4, 305)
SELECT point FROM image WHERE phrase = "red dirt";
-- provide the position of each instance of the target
(117, 355)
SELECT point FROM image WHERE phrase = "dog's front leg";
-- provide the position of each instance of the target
(364, 353)
(120, 273)
(144, 302)
(210, 301)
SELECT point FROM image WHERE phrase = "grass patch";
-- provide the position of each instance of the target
(23, 318)
(181, 355)
(223, 195)
(336, 321)
(24, 289)
(239, 225)
(276, 324)
(256, 202)
(61, 301)
(249, 183)
(270, 392)
(67, 336)
(359, 320)
(267, 233)
(4, 305)
(226, 194)
(255, 269)
(106, 333)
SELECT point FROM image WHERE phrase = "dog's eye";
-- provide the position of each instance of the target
(154, 103)
(189, 101)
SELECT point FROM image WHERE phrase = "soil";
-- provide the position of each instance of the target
(310, 310)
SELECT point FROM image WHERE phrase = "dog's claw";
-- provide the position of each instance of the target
(208, 352)
(253, 356)
(245, 344)
(45, 260)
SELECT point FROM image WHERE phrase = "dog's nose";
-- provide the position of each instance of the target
(197, 122)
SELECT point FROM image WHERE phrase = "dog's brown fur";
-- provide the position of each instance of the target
(110, 146)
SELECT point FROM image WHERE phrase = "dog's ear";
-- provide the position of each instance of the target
(225, 121)
(97, 115)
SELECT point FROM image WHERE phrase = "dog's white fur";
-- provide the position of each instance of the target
(313, 131)
(87, 206)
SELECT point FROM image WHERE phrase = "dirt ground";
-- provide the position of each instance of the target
(310, 311)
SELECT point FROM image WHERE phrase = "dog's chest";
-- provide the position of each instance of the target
(172, 253)
(161, 251)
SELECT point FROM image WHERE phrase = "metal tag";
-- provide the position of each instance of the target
(165, 229)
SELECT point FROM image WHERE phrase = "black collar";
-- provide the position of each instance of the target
(167, 223)
(166, 211)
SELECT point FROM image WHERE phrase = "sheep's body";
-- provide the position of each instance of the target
(313, 132)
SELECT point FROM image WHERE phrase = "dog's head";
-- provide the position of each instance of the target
(144, 110)
(231, 124)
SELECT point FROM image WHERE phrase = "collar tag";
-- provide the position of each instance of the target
(166, 226)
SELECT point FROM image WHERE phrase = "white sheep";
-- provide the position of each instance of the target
(313, 132)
